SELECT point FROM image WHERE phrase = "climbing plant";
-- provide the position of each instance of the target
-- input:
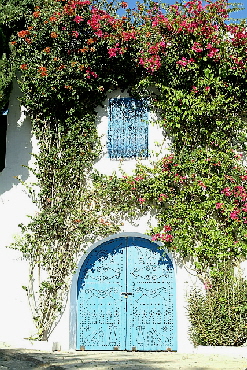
(218, 318)
(11, 19)
(190, 63)
(5, 74)
(66, 72)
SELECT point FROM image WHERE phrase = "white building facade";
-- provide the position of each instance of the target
(122, 254)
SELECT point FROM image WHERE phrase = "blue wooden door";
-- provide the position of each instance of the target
(126, 298)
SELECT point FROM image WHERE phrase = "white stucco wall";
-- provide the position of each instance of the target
(15, 204)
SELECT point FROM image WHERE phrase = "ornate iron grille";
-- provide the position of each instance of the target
(127, 128)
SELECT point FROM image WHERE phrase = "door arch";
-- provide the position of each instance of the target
(126, 297)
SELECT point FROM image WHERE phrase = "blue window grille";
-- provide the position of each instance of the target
(127, 128)
(3, 129)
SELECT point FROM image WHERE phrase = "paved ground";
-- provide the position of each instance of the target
(19, 359)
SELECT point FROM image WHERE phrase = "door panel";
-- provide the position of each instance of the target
(151, 307)
(101, 306)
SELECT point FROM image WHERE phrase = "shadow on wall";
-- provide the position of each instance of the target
(18, 145)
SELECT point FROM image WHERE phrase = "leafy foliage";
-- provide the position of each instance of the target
(6, 74)
(201, 211)
(11, 19)
(191, 65)
(218, 318)
(65, 75)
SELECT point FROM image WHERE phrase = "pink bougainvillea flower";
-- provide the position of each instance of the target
(99, 33)
(128, 35)
(163, 44)
(201, 183)
(219, 205)
(167, 228)
(197, 47)
(94, 74)
(152, 64)
(75, 34)
(239, 191)
(194, 89)
(112, 52)
(238, 156)
(213, 52)
(162, 197)
(227, 192)
(78, 19)
(167, 238)
(141, 200)
(155, 237)
(183, 62)
(244, 209)
(207, 285)
(174, 7)
(234, 214)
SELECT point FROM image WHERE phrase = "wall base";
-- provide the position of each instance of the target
(221, 350)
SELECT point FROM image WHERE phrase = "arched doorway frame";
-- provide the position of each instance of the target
(73, 290)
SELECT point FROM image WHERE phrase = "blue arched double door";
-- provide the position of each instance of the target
(126, 297)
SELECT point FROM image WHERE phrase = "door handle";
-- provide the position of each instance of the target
(126, 294)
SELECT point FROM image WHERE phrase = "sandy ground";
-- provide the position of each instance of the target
(20, 359)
